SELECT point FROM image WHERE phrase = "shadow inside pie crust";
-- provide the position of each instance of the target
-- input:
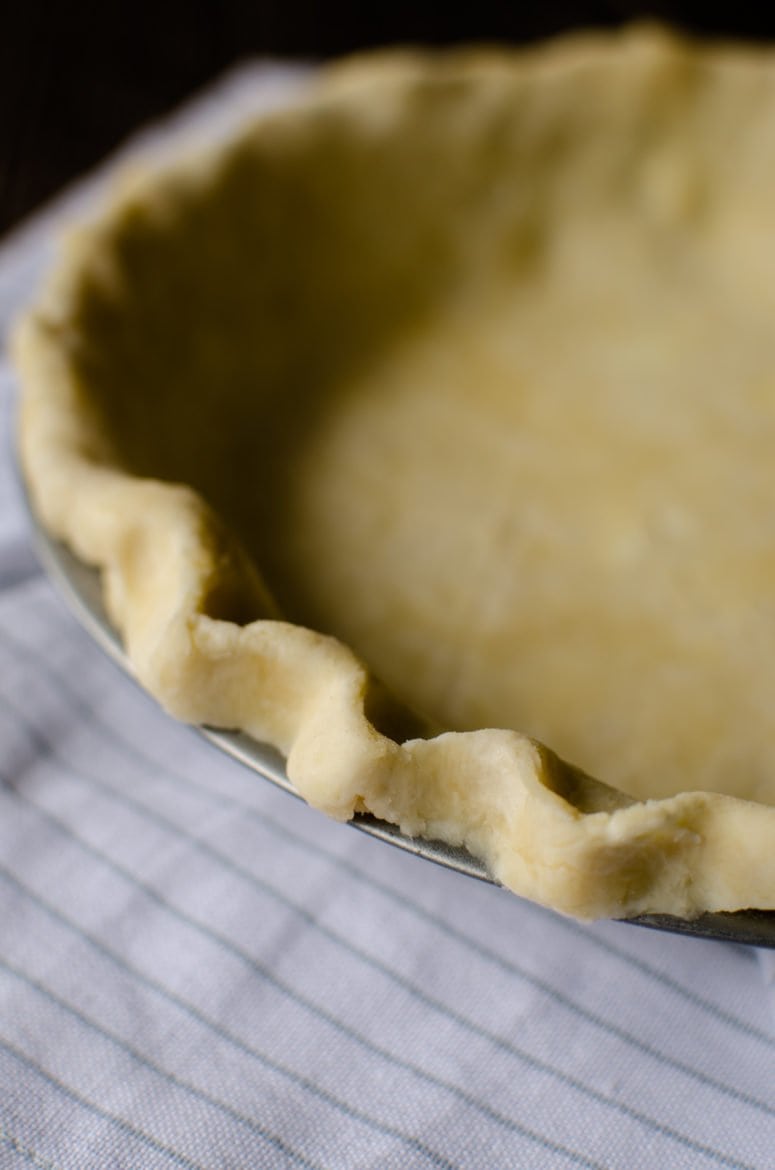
(458, 375)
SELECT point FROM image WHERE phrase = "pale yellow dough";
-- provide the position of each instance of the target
(472, 358)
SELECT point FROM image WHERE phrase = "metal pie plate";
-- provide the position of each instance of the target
(80, 586)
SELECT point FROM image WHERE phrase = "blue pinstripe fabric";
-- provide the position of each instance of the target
(197, 971)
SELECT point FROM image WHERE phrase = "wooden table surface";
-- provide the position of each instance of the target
(76, 78)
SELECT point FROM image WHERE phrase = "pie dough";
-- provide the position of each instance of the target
(458, 374)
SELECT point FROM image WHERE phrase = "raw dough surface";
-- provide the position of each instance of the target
(471, 358)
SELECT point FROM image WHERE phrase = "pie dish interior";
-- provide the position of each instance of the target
(427, 423)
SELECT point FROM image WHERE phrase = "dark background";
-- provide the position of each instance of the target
(75, 78)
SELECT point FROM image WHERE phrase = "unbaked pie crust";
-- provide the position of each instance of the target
(459, 375)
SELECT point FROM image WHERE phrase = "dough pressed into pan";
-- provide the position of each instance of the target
(424, 429)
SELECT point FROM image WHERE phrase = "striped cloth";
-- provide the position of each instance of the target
(197, 971)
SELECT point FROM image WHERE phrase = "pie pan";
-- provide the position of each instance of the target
(79, 586)
(425, 424)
